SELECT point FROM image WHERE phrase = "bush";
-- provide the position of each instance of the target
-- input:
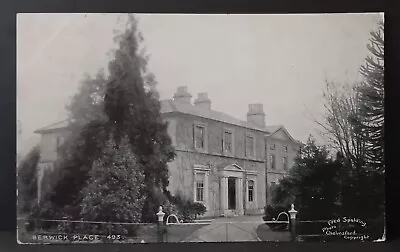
(186, 210)
(198, 209)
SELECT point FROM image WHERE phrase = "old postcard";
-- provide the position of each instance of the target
(150, 128)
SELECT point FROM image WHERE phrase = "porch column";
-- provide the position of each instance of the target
(240, 194)
(224, 194)
(206, 192)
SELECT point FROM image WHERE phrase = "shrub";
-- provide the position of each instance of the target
(198, 209)
(187, 210)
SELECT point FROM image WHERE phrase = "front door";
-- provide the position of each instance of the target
(232, 193)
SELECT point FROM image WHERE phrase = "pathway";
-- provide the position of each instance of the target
(235, 229)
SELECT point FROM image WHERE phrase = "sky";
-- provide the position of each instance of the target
(281, 61)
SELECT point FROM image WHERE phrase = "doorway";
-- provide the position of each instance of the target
(231, 193)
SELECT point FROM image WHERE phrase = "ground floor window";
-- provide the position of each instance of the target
(200, 181)
(251, 190)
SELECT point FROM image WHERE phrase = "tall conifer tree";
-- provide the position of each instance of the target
(133, 109)
(372, 100)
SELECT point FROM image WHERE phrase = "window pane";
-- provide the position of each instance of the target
(199, 137)
(228, 141)
(251, 189)
(200, 189)
(285, 163)
(249, 146)
(272, 161)
(251, 184)
(199, 177)
(199, 194)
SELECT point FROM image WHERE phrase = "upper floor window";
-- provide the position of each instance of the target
(272, 160)
(249, 146)
(59, 141)
(251, 190)
(272, 147)
(285, 148)
(228, 141)
(285, 163)
(199, 137)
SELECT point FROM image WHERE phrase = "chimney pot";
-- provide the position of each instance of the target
(202, 96)
(182, 95)
(256, 108)
(182, 89)
(203, 101)
(256, 114)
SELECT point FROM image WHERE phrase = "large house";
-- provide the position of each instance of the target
(225, 163)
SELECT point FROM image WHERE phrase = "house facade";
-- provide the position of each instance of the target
(223, 162)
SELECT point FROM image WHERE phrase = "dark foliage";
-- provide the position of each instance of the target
(27, 181)
(312, 184)
(187, 210)
(123, 104)
(132, 106)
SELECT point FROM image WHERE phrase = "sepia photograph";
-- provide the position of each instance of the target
(169, 128)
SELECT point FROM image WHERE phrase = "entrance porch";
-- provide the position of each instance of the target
(231, 190)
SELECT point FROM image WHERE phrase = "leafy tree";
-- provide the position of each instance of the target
(27, 180)
(341, 112)
(87, 104)
(311, 184)
(115, 188)
(83, 144)
(354, 121)
(72, 171)
(123, 104)
(133, 109)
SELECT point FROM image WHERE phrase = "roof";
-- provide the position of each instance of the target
(273, 129)
(54, 126)
(170, 106)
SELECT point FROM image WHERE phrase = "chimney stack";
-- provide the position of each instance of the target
(256, 115)
(182, 95)
(203, 101)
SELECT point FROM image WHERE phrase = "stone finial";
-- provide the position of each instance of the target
(160, 214)
(292, 212)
